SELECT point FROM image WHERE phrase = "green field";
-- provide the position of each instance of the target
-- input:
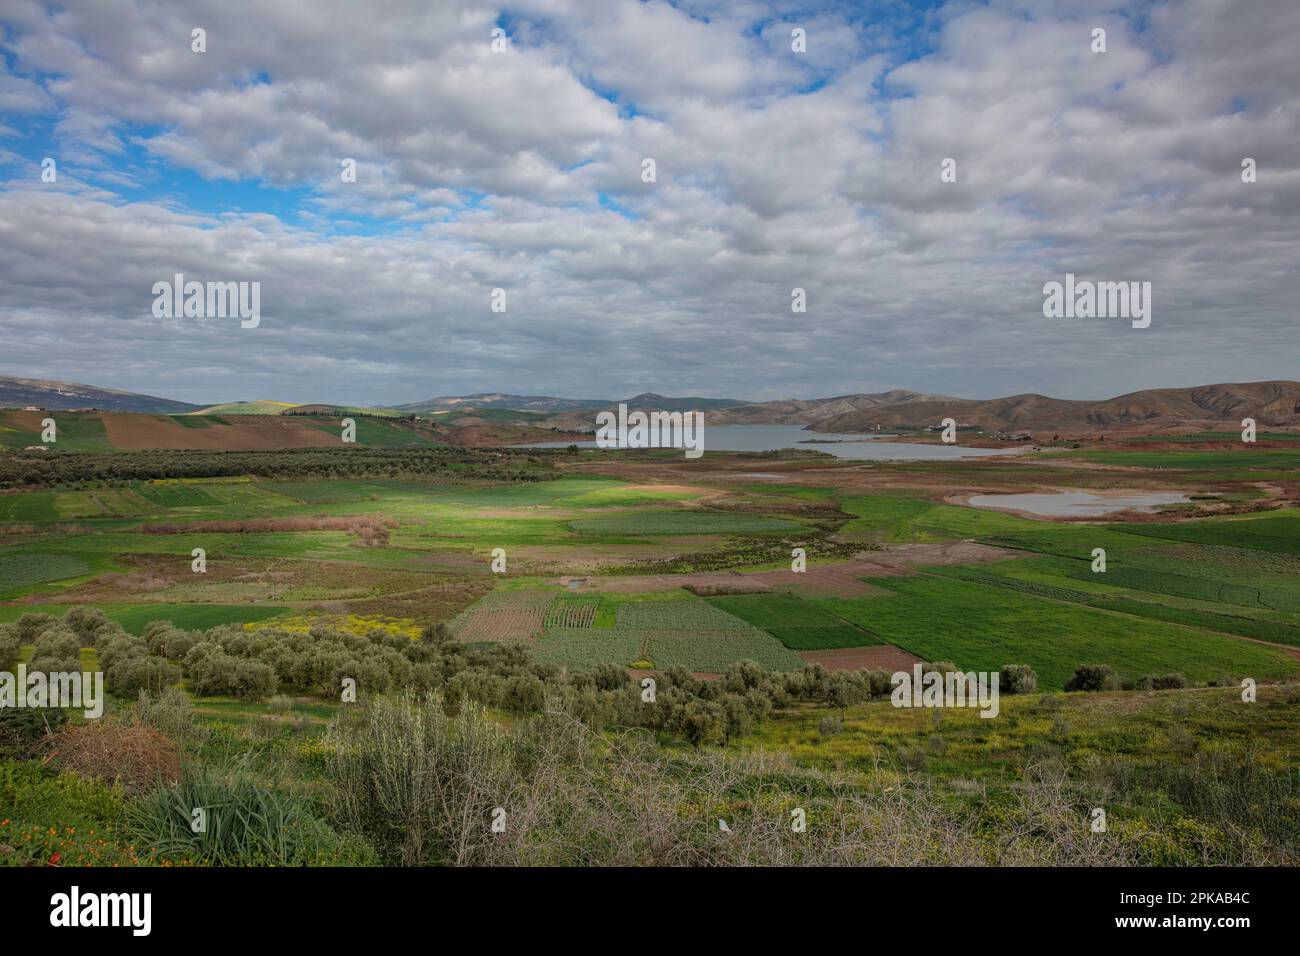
(798, 624)
(682, 522)
(677, 631)
(983, 629)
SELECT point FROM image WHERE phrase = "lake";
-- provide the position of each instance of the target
(870, 447)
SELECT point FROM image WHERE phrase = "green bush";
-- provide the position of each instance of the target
(1093, 677)
(1017, 679)
(128, 678)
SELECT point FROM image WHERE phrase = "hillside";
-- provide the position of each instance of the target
(1274, 404)
(129, 431)
(263, 406)
(22, 392)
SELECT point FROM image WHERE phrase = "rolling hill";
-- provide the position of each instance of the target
(1275, 404)
(57, 396)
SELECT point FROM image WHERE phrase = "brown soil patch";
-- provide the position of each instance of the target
(504, 617)
(885, 657)
(134, 432)
(904, 558)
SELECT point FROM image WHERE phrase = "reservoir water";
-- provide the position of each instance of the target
(871, 447)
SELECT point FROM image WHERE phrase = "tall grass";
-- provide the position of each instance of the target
(243, 824)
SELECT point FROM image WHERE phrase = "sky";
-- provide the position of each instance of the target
(504, 146)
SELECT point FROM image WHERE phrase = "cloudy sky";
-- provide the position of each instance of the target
(522, 169)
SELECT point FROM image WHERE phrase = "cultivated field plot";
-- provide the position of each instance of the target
(795, 622)
(570, 610)
(1278, 532)
(983, 628)
(20, 570)
(504, 617)
(671, 632)
(1217, 589)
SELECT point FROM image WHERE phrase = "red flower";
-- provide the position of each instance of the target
(54, 860)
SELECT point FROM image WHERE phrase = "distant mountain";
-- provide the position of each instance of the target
(797, 411)
(556, 406)
(523, 403)
(61, 396)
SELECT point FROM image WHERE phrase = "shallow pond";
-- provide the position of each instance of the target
(1079, 504)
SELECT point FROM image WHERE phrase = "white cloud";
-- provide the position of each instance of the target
(488, 168)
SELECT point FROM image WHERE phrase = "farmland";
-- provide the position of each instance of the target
(518, 581)
(1196, 597)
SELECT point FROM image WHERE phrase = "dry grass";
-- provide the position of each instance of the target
(136, 757)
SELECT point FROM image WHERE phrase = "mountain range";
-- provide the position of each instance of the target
(1273, 404)
(556, 406)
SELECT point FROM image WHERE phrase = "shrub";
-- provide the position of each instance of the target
(10, 644)
(1093, 677)
(129, 677)
(57, 643)
(169, 711)
(213, 673)
(1017, 679)
(118, 647)
(86, 623)
(408, 777)
(21, 728)
(31, 625)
